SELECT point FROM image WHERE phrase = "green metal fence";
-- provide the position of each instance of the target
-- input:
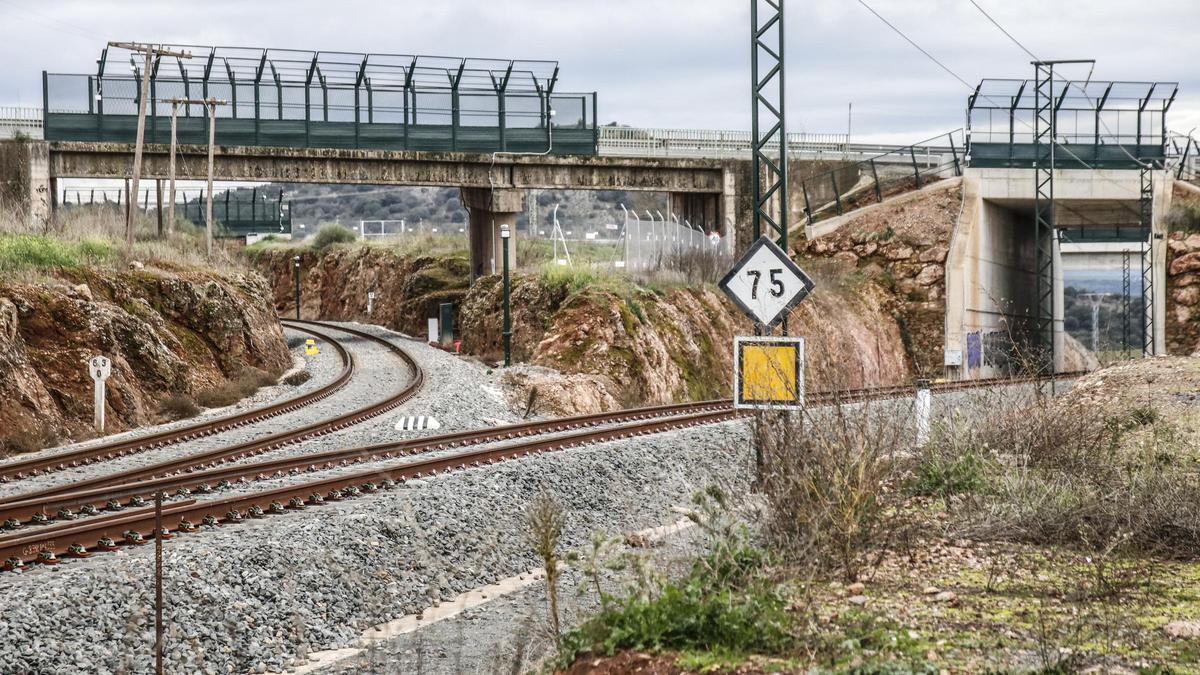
(325, 100)
(236, 213)
(1098, 124)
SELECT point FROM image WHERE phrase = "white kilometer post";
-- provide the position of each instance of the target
(370, 302)
(923, 405)
(99, 367)
(433, 330)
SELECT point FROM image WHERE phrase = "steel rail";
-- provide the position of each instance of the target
(111, 450)
(48, 542)
(66, 502)
(255, 446)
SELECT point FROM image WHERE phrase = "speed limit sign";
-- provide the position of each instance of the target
(766, 284)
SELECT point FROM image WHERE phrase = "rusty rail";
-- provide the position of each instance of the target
(45, 543)
(38, 465)
(253, 447)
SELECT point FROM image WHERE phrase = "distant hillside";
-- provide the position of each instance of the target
(578, 209)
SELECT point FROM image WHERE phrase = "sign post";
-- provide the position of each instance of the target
(370, 302)
(768, 371)
(99, 367)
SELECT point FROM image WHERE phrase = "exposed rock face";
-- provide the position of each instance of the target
(614, 344)
(164, 332)
(901, 249)
(678, 345)
(335, 284)
(1183, 294)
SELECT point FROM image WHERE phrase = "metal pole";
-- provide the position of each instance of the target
(923, 404)
(158, 198)
(504, 236)
(296, 262)
(158, 586)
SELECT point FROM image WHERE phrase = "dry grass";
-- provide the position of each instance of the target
(249, 381)
(178, 407)
(28, 440)
(95, 236)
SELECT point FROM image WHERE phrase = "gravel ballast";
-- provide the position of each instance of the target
(260, 595)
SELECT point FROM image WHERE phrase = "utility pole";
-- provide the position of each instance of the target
(171, 194)
(210, 105)
(158, 211)
(212, 133)
(152, 52)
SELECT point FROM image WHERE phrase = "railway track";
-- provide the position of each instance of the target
(17, 470)
(47, 541)
(249, 448)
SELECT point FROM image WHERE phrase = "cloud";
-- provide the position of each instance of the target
(665, 63)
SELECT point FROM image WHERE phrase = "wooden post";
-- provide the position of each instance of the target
(158, 211)
(130, 212)
(212, 127)
(152, 53)
(171, 193)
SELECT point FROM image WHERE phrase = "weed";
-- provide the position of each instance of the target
(178, 407)
(297, 378)
(331, 234)
(31, 251)
(546, 519)
(246, 383)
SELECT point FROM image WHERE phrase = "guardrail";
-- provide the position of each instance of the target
(14, 120)
(630, 141)
(923, 161)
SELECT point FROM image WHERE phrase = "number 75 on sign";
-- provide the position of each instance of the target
(766, 284)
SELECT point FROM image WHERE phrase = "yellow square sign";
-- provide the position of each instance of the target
(768, 372)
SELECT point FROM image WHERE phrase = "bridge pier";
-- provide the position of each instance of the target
(25, 179)
(490, 208)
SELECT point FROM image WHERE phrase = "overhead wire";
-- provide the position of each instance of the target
(956, 76)
(1069, 83)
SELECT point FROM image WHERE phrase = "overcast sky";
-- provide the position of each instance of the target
(664, 63)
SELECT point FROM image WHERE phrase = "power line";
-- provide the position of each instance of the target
(1069, 83)
(991, 100)
(919, 48)
(1002, 30)
(52, 24)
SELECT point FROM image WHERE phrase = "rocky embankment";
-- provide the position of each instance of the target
(900, 248)
(166, 333)
(598, 345)
(1183, 294)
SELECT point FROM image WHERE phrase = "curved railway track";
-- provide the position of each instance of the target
(39, 465)
(45, 542)
(212, 458)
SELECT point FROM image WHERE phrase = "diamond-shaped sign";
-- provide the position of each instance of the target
(766, 284)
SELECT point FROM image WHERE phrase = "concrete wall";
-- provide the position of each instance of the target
(990, 268)
(25, 179)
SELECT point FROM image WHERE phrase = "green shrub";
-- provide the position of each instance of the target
(331, 234)
(946, 467)
(722, 604)
(33, 251)
(726, 602)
